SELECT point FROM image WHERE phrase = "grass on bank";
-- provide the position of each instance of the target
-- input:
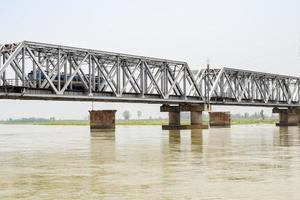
(253, 121)
(132, 122)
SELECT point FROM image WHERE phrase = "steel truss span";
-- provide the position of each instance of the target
(30, 70)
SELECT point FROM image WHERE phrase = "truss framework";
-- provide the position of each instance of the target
(30, 70)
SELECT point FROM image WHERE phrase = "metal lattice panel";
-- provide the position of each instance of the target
(30, 70)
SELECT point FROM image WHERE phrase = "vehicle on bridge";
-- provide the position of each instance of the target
(76, 84)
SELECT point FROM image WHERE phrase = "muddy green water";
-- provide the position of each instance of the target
(144, 162)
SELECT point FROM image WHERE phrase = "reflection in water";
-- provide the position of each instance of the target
(174, 136)
(177, 139)
(197, 137)
(241, 162)
(218, 142)
(110, 135)
(287, 136)
(174, 143)
(102, 146)
(197, 140)
(102, 154)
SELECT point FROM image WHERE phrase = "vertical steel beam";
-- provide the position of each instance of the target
(4, 72)
(252, 89)
(93, 75)
(272, 89)
(16, 73)
(118, 89)
(58, 69)
(47, 66)
(70, 72)
(222, 85)
(142, 78)
(298, 92)
(166, 79)
(99, 80)
(40, 74)
(124, 79)
(278, 90)
(145, 80)
(23, 67)
(34, 72)
(66, 71)
(90, 75)
(184, 82)
(1, 61)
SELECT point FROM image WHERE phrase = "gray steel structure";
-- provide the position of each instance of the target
(31, 70)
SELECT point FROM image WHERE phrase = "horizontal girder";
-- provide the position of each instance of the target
(30, 70)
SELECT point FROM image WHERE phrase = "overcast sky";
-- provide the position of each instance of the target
(260, 35)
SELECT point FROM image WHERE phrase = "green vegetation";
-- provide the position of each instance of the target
(48, 122)
(253, 121)
(235, 121)
(246, 118)
(147, 122)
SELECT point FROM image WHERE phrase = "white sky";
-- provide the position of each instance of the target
(260, 35)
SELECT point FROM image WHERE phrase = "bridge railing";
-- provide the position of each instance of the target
(59, 67)
(252, 87)
(73, 71)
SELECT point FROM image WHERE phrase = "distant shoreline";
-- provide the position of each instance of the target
(141, 122)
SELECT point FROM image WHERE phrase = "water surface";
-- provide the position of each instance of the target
(144, 162)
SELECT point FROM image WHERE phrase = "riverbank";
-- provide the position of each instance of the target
(132, 122)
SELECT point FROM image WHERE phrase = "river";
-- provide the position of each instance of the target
(144, 162)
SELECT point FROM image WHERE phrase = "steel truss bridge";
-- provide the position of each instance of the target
(38, 71)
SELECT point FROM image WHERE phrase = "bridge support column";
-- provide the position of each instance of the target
(174, 116)
(287, 116)
(219, 119)
(102, 120)
(196, 120)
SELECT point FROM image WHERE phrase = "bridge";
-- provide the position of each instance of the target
(39, 71)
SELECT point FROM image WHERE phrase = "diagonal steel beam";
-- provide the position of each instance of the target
(104, 75)
(199, 77)
(220, 73)
(109, 73)
(76, 70)
(81, 75)
(191, 76)
(17, 68)
(177, 89)
(258, 86)
(244, 87)
(153, 80)
(157, 76)
(53, 73)
(175, 80)
(283, 89)
(42, 70)
(230, 86)
(130, 77)
(11, 57)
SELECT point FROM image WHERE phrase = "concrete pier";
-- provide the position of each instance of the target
(219, 119)
(102, 120)
(287, 116)
(174, 116)
(196, 119)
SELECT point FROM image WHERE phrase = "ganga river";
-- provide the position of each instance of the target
(144, 162)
